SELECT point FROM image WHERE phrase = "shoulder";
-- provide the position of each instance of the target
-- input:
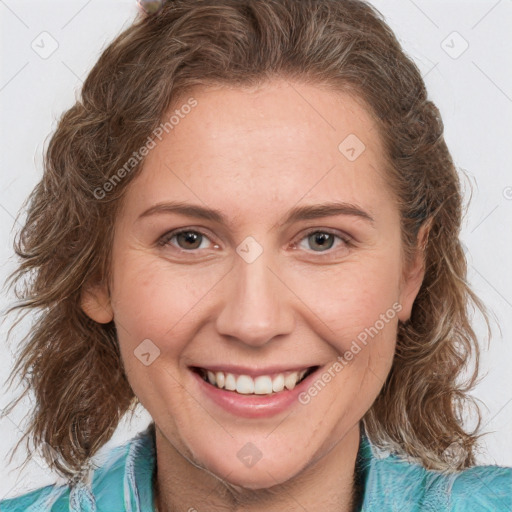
(406, 485)
(481, 488)
(44, 498)
(104, 488)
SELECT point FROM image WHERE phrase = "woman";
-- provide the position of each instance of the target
(177, 236)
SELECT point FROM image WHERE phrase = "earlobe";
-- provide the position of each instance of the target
(95, 302)
(413, 277)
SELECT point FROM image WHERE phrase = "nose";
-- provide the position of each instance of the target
(257, 305)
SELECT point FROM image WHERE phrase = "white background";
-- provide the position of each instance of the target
(472, 88)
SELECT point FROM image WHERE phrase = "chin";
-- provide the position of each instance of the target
(262, 475)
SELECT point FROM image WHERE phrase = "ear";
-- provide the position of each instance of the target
(412, 277)
(95, 302)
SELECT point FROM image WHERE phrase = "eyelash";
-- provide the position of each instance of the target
(348, 242)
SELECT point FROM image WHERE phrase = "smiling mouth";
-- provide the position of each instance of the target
(261, 385)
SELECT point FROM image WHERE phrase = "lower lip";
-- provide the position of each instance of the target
(253, 406)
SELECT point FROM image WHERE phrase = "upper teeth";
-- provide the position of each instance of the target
(262, 385)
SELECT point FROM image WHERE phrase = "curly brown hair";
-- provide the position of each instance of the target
(73, 364)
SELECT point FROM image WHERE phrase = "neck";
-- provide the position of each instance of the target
(328, 484)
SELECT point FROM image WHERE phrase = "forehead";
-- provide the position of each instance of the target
(247, 150)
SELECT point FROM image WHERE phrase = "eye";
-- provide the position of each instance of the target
(321, 240)
(186, 239)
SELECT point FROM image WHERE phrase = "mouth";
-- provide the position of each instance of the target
(261, 384)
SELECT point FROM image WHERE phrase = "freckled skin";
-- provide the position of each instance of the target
(254, 154)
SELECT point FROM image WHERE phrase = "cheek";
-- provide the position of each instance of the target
(157, 311)
(355, 311)
(159, 300)
(351, 298)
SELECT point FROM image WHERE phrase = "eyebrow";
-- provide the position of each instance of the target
(298, 213)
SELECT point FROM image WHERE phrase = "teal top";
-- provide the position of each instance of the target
(125, 477)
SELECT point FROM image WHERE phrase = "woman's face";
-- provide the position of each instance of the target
(290, 262)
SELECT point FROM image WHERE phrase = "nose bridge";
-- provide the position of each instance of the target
(255, 309)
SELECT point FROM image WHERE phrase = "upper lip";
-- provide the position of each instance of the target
(252, 371)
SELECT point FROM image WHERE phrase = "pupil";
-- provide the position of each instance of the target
(190, 237)
(320, 239)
